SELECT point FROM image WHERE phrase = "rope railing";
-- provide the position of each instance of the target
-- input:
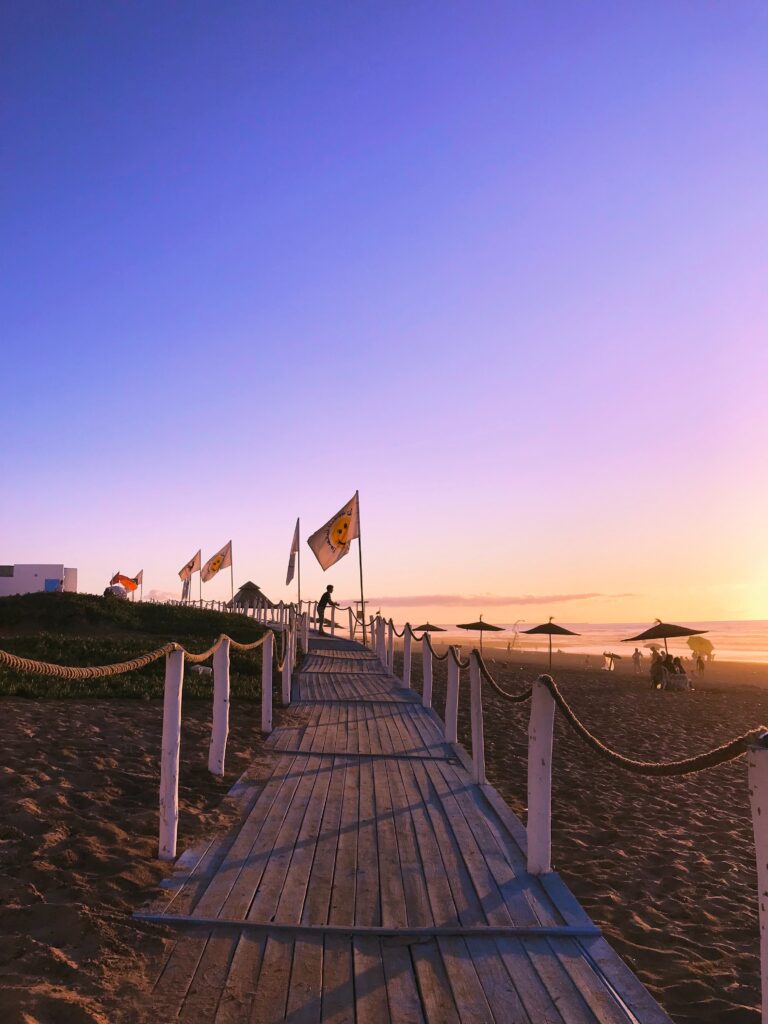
(546, 699)
(46, 668)
(288, 625)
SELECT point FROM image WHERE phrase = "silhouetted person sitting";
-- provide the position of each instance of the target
(657, 670)
(322, 604)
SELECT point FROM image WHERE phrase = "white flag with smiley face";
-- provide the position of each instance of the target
(332, 541)
(220, 560)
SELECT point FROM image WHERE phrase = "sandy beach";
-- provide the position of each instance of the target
(78, 844)
(664, 866)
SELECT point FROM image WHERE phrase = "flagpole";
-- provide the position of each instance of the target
(200, 582)
(360, 554)
(298, 555)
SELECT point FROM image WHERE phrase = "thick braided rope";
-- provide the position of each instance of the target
(45, 668)
(195, 659)
(700, 762)
(247, 647)
(686, 766)
(513, 698)
(453, 651)
(394, 629)
(435, 655)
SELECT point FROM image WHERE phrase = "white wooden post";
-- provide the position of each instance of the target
(407, 656)
(381, 641)
(305, 638)
(169, 759)
(287, 666)
(333, 620)
(351, 623)
(266, 683)
(372, 633)
(452, 699)
(220, 723)
(426, 666)
(476, 714)
(539, 824)
(391, 645)
(757, 775)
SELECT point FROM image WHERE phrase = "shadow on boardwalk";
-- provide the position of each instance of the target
(370, 880)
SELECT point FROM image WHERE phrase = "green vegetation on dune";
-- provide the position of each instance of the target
(83, 629)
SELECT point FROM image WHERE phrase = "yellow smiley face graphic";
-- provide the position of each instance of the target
(215, 564)
(339, 530)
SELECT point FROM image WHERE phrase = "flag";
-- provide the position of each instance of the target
(193, 565)
(139, 577)
(220, 560)
(124, 581)
(185, 589)
(292, 555)
(332, 541)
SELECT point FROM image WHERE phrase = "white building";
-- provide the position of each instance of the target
(29, 579)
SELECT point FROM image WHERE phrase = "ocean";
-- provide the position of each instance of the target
(745, 640)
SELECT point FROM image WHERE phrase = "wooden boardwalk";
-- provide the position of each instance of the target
(369, 880)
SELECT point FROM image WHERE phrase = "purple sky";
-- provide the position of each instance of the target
(500, 266)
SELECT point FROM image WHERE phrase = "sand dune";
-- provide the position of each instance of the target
(78, 833)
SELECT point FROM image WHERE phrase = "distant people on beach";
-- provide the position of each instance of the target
(637, 661)
(657, 670)
(668, 673)
(322, 604)
(700, 664)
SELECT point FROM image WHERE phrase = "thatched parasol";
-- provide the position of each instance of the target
(664, 631)
(481, 627)
(551, 629)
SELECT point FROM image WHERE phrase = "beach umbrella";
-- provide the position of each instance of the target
(427, 628)
(550, 629)
(611, 658)
(481, 628)
(664, 631)
(700, 645)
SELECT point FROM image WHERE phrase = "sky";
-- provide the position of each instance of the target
(499, 266)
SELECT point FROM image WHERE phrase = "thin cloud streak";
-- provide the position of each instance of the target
(485, 600)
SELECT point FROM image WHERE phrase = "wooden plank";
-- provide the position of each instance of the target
(371, 1005)
(172, 986)
(202, 998)
(338, 994)
(499, 988)
(402, 990)
(438, 1004)
(306, 984)
(558, 983)
(242, 980)
(533, 993)
(367, 899)
(468, 993)
(488, 892)
(343, 889)
(516, 886)
(465, 898)
(600, 999)
(271, 997)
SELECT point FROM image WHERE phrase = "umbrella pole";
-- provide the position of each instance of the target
(550, 652)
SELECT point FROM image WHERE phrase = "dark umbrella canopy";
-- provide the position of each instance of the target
(481, 627)
(664, 631)
(427, 628)
(551, 629)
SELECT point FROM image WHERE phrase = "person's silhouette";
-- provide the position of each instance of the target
(322, 604)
